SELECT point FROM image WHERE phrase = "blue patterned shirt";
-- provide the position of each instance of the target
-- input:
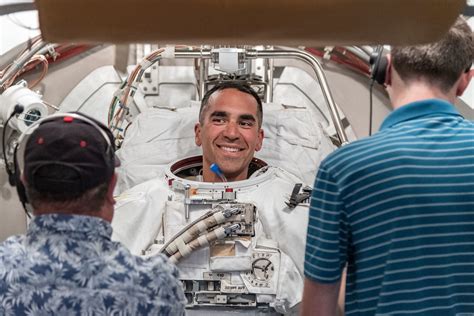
(68, 265)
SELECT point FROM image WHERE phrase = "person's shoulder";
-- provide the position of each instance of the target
(155, 183)
(163, 277)
(140, 190)
(12, 250)
(468, 122)
(10, 243)
(285, 176)
(350, 148)
(159, 264)
(153, 276)
(156, 266)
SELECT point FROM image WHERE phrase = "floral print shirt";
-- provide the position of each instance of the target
(68, 265)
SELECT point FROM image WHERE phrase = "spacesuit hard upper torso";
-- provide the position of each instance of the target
(237, 244)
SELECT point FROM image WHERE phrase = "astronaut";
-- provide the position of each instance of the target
(232, 224)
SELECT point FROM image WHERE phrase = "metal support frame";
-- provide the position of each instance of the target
(285, 54)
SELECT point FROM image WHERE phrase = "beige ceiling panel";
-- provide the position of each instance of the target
(273, 22)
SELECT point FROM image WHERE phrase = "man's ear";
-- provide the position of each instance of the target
(260, 140)
(388, 71)
(23, 180)
(197, 134)
(464, 82)
(110, 189)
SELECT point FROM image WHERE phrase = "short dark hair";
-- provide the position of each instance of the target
(442, 62)
(75, 201)
(231, 85)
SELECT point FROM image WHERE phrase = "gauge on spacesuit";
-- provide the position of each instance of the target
(262, 274)
(262, 269)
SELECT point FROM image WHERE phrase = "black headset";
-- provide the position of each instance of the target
(14, 176)
(378, 65)
(378, 73)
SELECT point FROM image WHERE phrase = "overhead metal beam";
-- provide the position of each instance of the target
(238, 22)
(16, 6)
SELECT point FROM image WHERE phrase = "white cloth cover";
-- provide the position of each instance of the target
(294, 140)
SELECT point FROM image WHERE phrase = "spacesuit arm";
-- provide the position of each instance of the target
(138, 215)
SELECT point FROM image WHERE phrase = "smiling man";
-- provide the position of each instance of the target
(229, 130)
(263, 262)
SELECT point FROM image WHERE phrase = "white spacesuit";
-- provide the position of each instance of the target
(239, 245)
(260, 263)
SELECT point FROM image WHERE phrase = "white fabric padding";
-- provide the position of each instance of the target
(294, 140)
(203, 241)
(228, 264)
(219, 217)
(155, 138)
(201, 226)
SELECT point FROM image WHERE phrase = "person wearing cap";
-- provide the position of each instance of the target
(397, 208)
(66, 263)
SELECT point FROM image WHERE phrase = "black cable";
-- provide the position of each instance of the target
(370, 106)
(7, 168)
(20, 188)
(376, 64)
(469, 10)
(17, 110)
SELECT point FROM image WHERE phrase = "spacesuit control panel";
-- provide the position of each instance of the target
(237, 244)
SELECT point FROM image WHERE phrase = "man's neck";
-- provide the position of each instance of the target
(209, 176)
(417, 91)
(103, 214)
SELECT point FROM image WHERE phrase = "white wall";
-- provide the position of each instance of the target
(12, 34)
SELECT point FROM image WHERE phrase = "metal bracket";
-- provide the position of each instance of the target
(297, 197)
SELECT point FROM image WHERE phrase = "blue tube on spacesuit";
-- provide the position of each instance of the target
(215, 168)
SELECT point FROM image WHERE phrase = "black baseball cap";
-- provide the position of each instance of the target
(69, 154)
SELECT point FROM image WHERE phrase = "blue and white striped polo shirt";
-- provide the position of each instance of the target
(398, 208)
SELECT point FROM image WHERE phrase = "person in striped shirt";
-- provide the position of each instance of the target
(397, 208)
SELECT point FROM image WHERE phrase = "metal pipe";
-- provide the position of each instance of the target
(367, 49)
(18, 64)
(9, 8)
(269, 77)
(187, 196)
(356, 50)
(288, 53)
(203, 55)
(318, 70)
(203, 72)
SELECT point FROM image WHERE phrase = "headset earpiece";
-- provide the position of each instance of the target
(20, 187)
(13, 175)
(378, 66)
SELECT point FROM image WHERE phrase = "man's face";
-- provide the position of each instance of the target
(229, 133)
